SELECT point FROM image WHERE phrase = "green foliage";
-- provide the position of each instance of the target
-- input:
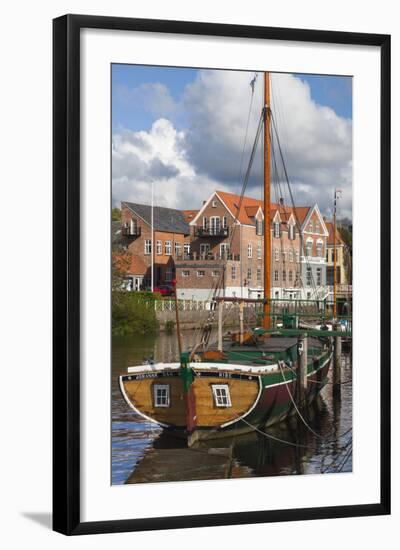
(116, 215)
(133, 313)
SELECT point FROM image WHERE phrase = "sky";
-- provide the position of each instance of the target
(185, 130)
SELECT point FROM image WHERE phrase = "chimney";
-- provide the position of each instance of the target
(281, 201)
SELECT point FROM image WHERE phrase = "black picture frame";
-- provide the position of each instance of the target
(66, 273)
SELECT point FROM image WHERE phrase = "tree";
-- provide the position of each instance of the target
(116, 214)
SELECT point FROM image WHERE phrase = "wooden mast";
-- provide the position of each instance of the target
(267, 204)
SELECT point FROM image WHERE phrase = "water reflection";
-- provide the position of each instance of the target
(142, 452)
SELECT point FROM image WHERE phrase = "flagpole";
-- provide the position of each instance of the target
(152, 236)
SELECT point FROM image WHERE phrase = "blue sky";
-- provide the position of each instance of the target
(185, 129)
(331, 91)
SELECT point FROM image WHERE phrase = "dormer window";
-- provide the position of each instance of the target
(214, 204)
(277, 230)
(259, 227)
(291, 232)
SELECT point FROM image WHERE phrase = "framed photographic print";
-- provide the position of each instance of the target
(221, 274)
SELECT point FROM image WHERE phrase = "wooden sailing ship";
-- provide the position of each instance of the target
(244, 383)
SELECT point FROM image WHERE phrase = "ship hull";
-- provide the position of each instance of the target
(258, 396)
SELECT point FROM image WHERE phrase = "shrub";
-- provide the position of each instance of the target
(133, 313)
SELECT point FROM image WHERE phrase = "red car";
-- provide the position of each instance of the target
(164, 290)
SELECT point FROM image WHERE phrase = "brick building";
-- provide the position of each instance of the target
(170, 240)
(227, 249)
(341, 276)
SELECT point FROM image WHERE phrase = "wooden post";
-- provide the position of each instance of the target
(220, 312)
(241, 307)
(302, 350)
(337, 363)
(267, 203)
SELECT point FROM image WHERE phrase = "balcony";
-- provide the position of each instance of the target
(132, 231)
(220, 232)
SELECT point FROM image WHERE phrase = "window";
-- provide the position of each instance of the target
(147, 246)
(205, 223)
(215, 273)
(161, 395)
(292, 232)
(258, 274)
(259, 250)
(276, 276)
(159, 247)
(233, 272)
(309, 247)
(214, 204)
(224, 222)
(224, 250)
(277, 254)
(204, 249)
(319, 248)
(311, 227)
(290, 276)
(178, 249)
(297, 257)
(316, 227)
(215, 225)
(290, 255)
(168, 248)
(201, 273)
(259, 227)
(221, 395)
(185, 273)
(284, 276)
(168, 274)
(249, 274)
(186, 249)
(308, 276)
(249, 250)
(284, 255)
(277, 229)
(319, 276)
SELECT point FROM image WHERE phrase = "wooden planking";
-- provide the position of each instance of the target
(140, 393)
(243, 394)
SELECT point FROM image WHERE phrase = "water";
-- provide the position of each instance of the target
(300, 451)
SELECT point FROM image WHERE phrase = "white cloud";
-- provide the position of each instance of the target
(153, 97)
(189, 164)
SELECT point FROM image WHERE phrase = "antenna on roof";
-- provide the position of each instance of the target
(253, 82)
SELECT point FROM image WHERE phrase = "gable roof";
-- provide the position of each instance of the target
(164, 219)
(339, 240)
(250, 206)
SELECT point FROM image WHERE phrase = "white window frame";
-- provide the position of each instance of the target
(308, 242)
(224, 222)
(159, 248)
(214, 204)
(291, 232)
(259, 227)
(233, 272)
(177, 248)
(223, 249)
(290, 256)
(290, 276)
(276, 276)
(218, 398)
(186, 249)
(276, 254)
(215, 273)
(277, 230)
(249, 250)
(259, 250)
(201, 273)
(147, 247)
(259, 273)
(249, 274)
(165, 387)
(185, 272)
(168, 248)
(205, 222)
(205, 248)
(215, 225)
(319, 276)
(308, 276)
(320, 248)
